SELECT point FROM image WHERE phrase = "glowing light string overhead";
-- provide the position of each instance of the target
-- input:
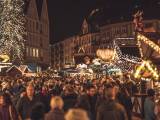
(124, 62)
(126, 57)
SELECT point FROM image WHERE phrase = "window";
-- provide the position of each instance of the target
(34, 52)
(30, 51)
(37, 52)
(27, 51)
(41, 28)
(149, 24)
(41, 43)
(41, 53)
(37, 25)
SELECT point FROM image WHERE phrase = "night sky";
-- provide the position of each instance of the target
(66, 16)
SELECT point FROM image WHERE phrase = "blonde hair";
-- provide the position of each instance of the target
(76, 114)
(56, 102)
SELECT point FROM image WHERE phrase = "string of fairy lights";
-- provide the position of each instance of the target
(12, 29)
(125, 62)
(154, 46)
(114, 56)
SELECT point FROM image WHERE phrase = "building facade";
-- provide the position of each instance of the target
(84, 44)
(88, 41)
(57, 55)
(37, 54)
(125, 30)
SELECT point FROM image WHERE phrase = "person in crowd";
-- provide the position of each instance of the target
(88, 102)
(69, 98)
(56, 112)
(100, 96)
(124, 99)
(38, 112)
(149, 105)
(157, 110)
(25, 103)
(7, 110)
(111, 109)
(76, 114)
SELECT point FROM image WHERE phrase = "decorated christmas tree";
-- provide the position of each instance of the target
(12, 29)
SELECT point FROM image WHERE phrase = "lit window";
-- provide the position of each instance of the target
(34, 52)
(27, 51)
(37, 53)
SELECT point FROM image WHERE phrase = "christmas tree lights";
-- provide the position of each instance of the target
(12, 30)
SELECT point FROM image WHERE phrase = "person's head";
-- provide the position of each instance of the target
(101, 90)
(110, 91)
(56, 102)
(76, 114)
(30, 90)
(5, 99)
(38, 112)
(69, 89)
(94, 82)
(151, 93)
(91, 90)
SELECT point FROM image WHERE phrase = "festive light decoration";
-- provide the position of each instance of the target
(146, 70)
(125, 62)
(138, 21)
(114, 57)
(141, 37)
(12, 30)
(5, 58)
(112, 68)
(82, 66)
(106, 54)
(97, 62)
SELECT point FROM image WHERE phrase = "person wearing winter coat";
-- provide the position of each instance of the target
(7, 110)
(56, 112)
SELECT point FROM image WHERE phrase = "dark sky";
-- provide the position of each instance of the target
(66, 16)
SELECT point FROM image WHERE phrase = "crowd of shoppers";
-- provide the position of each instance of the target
(70, 98)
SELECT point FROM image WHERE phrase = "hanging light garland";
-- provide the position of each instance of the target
(106, 54)
(125, 62)
(154, 46)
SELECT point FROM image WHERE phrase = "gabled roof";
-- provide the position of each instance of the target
(31, 9)
(39, 4)
(26, 2)
(24, 68)
(13, 67)
(155, 36)
(149, 50)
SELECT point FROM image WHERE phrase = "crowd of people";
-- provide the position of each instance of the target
(71, 98)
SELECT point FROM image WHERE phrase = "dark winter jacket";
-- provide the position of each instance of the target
(8, 113)
(69, 101)
(88, 103)
(24, 106)
(111, 110)
(55, 114)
